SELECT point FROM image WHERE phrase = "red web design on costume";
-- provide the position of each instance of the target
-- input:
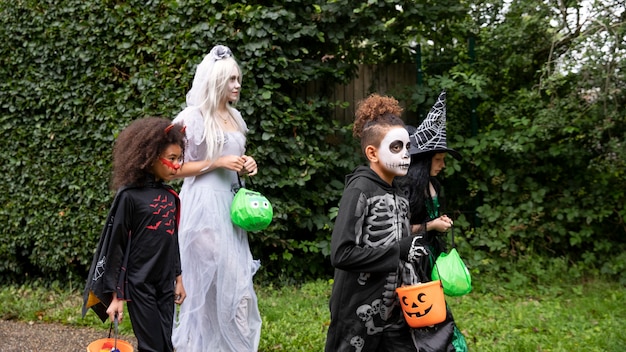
(166, 210)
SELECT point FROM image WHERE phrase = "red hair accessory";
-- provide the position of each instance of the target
(169, 128)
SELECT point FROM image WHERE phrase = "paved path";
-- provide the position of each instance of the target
(43, 337)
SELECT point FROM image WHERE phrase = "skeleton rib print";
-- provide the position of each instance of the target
(379, 228)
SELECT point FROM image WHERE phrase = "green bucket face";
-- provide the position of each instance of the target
(251, 211)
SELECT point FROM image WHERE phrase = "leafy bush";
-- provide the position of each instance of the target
(541, 131)
(535, 110)
(74, 74)
(548, 165)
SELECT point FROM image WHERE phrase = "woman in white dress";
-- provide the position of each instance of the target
(220, 312)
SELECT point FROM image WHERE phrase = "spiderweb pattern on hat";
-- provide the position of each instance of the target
(430, 135)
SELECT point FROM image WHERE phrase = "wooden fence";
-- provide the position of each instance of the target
(392, 80)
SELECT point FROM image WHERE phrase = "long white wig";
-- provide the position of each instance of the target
(209, 89)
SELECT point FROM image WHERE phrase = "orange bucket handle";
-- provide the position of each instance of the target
(106, 344)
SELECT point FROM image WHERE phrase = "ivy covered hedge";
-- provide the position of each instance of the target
(74, 74)
(544, 158)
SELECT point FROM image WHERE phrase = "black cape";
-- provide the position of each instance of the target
(95, 295)
(108, 272)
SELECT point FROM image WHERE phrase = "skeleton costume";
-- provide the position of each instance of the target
(365, 251)
(138, 257)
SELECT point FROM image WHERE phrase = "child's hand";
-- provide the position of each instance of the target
(179, 291)
(231, 162)
(116, 308)
(441, 224)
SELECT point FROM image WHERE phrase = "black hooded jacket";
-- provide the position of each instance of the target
(372, 218)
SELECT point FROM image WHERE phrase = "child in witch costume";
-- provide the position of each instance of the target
(137, 260)
(428, 151)
(371, 247)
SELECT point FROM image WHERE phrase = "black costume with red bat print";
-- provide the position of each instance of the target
(138, 257)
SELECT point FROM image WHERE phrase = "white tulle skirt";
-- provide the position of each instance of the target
(220, 312)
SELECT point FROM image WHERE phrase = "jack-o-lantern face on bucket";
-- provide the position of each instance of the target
(416, 306)
(423, 304)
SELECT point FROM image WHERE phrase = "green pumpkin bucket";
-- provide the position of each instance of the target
(250, 210)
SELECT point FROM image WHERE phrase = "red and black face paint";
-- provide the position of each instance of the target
(170, 164)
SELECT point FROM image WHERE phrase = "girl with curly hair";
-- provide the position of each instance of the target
(137, 261)
(372, 249)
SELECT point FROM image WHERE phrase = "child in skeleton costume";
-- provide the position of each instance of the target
(221, 312)
(421, 187)
(371, 248)
(137, 261)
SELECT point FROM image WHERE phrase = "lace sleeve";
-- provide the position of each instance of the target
(191, 117)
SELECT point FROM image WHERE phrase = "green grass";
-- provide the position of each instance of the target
(294, 319)
(588, 316)
(585, 317)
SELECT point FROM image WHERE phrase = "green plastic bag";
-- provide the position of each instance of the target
(454, 276)
(250, 210)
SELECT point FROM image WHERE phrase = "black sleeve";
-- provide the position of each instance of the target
(118, 245)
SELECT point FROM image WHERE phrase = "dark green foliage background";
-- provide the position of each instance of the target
(74, 75)
(543, 169)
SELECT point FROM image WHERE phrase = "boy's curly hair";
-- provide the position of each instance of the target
(139, 145)
(374, 116)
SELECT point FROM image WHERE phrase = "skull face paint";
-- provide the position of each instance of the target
(394, 151)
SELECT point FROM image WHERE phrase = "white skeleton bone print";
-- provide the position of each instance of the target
(379, 228)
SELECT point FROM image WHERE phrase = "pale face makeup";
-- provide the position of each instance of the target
(394, 151)
(233, 85)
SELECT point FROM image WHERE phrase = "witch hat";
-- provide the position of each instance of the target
(430, 135)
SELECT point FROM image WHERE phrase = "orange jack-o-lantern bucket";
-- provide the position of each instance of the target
(107, 345)
(423, 304)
